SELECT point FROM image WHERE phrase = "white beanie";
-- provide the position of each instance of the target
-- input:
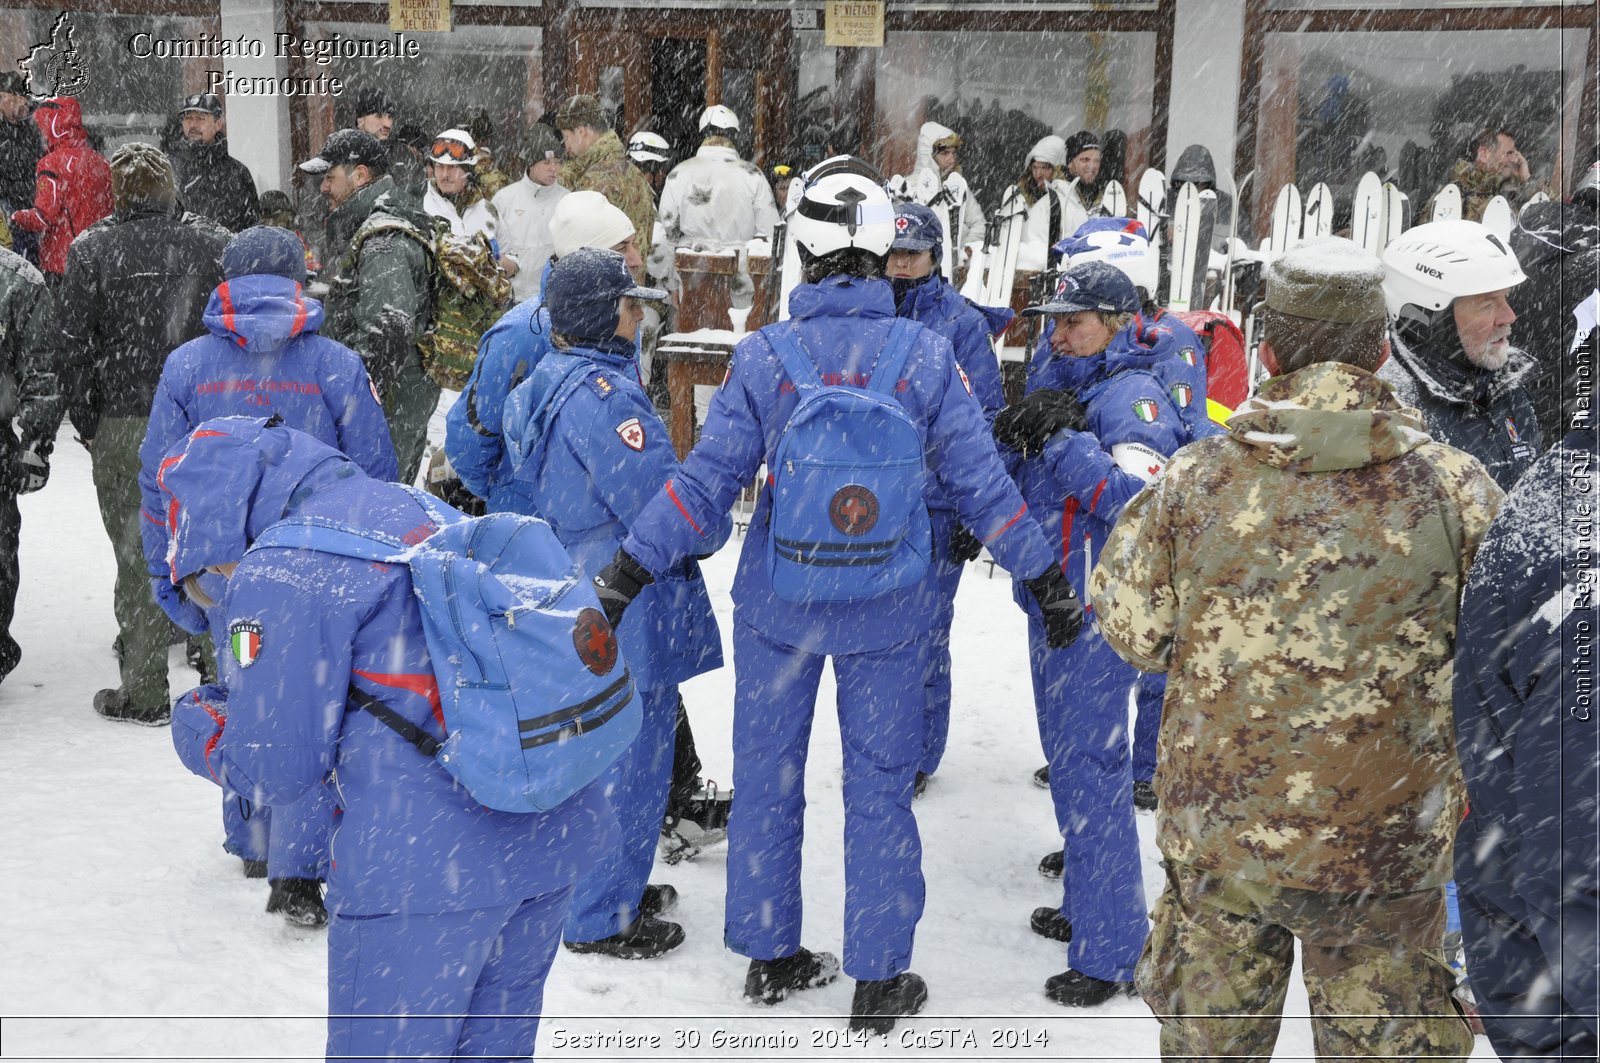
(1051, 149)
(587, 219)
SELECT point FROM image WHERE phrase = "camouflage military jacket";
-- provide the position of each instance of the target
(1299, 580)
(605, 168)
(1478, 188)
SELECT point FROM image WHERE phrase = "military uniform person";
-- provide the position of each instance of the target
(597, 161)
(1298, 579)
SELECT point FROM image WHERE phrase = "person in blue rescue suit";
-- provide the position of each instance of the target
(1121, 242)
(1095, 426)
(842, 314)
(446, 914)
(1527, 870)
(590, 451)
(922, 294)
(512, 347)
(475, 445)
(262, 356)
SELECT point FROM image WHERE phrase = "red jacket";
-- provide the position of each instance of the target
(73, 183)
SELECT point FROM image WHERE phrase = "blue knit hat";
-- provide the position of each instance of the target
(265, 249)
(583, 291)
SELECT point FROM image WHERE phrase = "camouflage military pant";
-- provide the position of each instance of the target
(1215, 971)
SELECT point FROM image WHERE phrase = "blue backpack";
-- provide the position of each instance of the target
(848, 517)
(536, 697)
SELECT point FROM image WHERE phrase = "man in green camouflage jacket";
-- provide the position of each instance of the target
(597, 162)
(1298, 579)
(379, 300)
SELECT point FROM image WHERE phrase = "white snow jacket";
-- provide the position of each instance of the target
(715, 198)
(525, 209)
(479, 217)
(1037, 233)
(923, 185)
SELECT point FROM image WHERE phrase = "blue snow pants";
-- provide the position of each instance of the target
(293, 842)
(936, 669)
(454, 985)
(1081, 698)
(606, 900)
(880, 725)
(1150, 693)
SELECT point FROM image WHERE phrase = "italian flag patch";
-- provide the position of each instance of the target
(244, 640)
(1146, 410)
(1187, 354)
(1182, 394)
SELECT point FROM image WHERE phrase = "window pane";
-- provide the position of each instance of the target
(1002, 91)
(1335, 105)
(492, 69)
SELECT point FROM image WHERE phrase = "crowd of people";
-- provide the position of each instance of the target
(1351, 613)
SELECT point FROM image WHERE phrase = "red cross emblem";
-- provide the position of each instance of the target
(595, 642)
(631, 432)
(854, 509)
(902, 223)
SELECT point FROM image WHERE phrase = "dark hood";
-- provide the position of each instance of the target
(1194, 166)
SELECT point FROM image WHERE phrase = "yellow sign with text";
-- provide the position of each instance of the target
(854, 24)
(419, 16)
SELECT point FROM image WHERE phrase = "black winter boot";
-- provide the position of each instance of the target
(254, 868)
(658, 899)
(1050, 923)
(299, 899)
(878, 1004)
(769, 981)
(1054, 865)
(644, 939)
(1074, 989)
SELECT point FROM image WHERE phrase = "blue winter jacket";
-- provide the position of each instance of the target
(263, 357)
(303, 627)
(1079, 484)
(1526, 729)
(589, 451)
(507, 353)
(843, 324)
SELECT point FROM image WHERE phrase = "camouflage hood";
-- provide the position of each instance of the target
(1326, 417)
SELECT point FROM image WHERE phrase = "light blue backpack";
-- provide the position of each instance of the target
(848, 520)
(536, 696)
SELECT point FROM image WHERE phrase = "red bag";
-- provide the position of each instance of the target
(1227, 367)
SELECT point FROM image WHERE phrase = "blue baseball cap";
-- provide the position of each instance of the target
(1091, 286)
(583, 290)
(916, 228)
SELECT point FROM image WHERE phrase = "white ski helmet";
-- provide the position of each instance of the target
(1127, 250)
(843, 205)
(453, 147)
(646, 146)
(1432, 265)
(719, 116)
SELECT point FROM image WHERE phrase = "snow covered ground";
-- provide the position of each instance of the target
(128, 934)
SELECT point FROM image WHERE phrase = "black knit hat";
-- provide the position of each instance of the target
(1080, 142)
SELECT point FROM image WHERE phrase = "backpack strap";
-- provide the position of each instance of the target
(424, 742)
(800, 368)
(892, 359)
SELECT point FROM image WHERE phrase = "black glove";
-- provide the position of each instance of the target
(619, 583)
(1025, 426)
(1063, 613)
(964, 546)
(33, 469)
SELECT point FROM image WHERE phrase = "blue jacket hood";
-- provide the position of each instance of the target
(233, 477)
(842, 296)
(532, 405)
(261, 312)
